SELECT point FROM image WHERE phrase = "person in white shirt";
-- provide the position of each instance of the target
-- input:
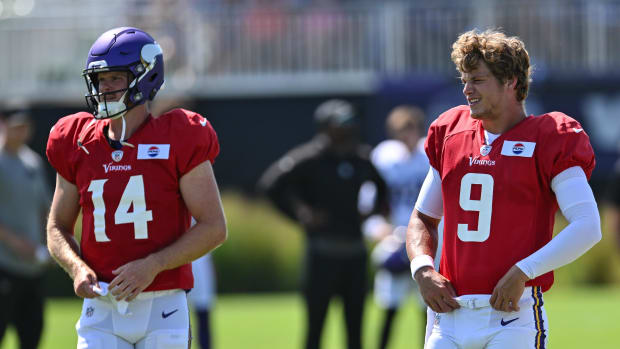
(403, 165)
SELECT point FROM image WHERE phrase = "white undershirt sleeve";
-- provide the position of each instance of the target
(578, 206)
(430, 201)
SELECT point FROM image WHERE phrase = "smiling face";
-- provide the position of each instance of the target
(485, 94)
(112, 81)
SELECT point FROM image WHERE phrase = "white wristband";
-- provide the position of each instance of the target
(419, 262)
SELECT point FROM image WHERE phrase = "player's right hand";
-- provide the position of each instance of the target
(84, 281)
(437, 291)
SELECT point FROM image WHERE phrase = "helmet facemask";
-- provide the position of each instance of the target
(102, 107)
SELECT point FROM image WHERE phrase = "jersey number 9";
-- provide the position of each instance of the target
(484, 206)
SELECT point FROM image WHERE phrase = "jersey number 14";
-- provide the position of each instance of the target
(133, 194)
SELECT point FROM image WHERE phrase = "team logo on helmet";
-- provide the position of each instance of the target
(518, 148)
(117, 155)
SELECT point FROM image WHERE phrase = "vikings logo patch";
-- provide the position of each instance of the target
(117, 155)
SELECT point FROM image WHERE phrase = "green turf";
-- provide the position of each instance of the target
(579, 318)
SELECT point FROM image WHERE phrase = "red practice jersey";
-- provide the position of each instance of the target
(130, 198)
(498, 204)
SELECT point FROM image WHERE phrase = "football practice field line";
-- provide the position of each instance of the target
(578, 317)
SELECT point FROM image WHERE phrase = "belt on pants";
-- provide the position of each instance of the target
(474, 303)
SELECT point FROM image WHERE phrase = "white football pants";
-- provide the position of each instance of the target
(478, 326)
(154, 320)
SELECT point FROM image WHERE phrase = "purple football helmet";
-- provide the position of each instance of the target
(124, 49)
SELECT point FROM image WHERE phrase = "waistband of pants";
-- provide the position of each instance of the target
(476, 301)
(155, 294)
(122, 305)
(104, 293)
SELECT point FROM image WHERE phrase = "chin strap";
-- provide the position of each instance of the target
(122, 141)
(123, 134)
(81, 137)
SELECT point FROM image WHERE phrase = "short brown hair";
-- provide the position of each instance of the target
(505, 56)
(403, 117)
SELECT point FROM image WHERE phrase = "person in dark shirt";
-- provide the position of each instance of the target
(613, 198)
(23, 256)
(318, 185)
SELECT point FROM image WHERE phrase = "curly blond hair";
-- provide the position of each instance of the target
(505, 56)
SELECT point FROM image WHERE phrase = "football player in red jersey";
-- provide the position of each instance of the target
(498, 177)
(137, 180)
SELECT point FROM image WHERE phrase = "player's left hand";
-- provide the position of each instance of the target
(509, 290)
(132, 278)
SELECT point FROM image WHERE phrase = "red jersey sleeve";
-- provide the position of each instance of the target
(434, 143)
(62, 144)
(198, 141)
(567, 146)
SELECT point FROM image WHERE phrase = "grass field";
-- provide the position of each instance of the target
(579, 318)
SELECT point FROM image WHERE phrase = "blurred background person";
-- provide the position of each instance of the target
(25, 201)
(317, 184)
(613, 198)
(202, 297)
(403, 164)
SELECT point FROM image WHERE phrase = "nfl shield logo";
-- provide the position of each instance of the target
(485, 150)
(117, 155)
